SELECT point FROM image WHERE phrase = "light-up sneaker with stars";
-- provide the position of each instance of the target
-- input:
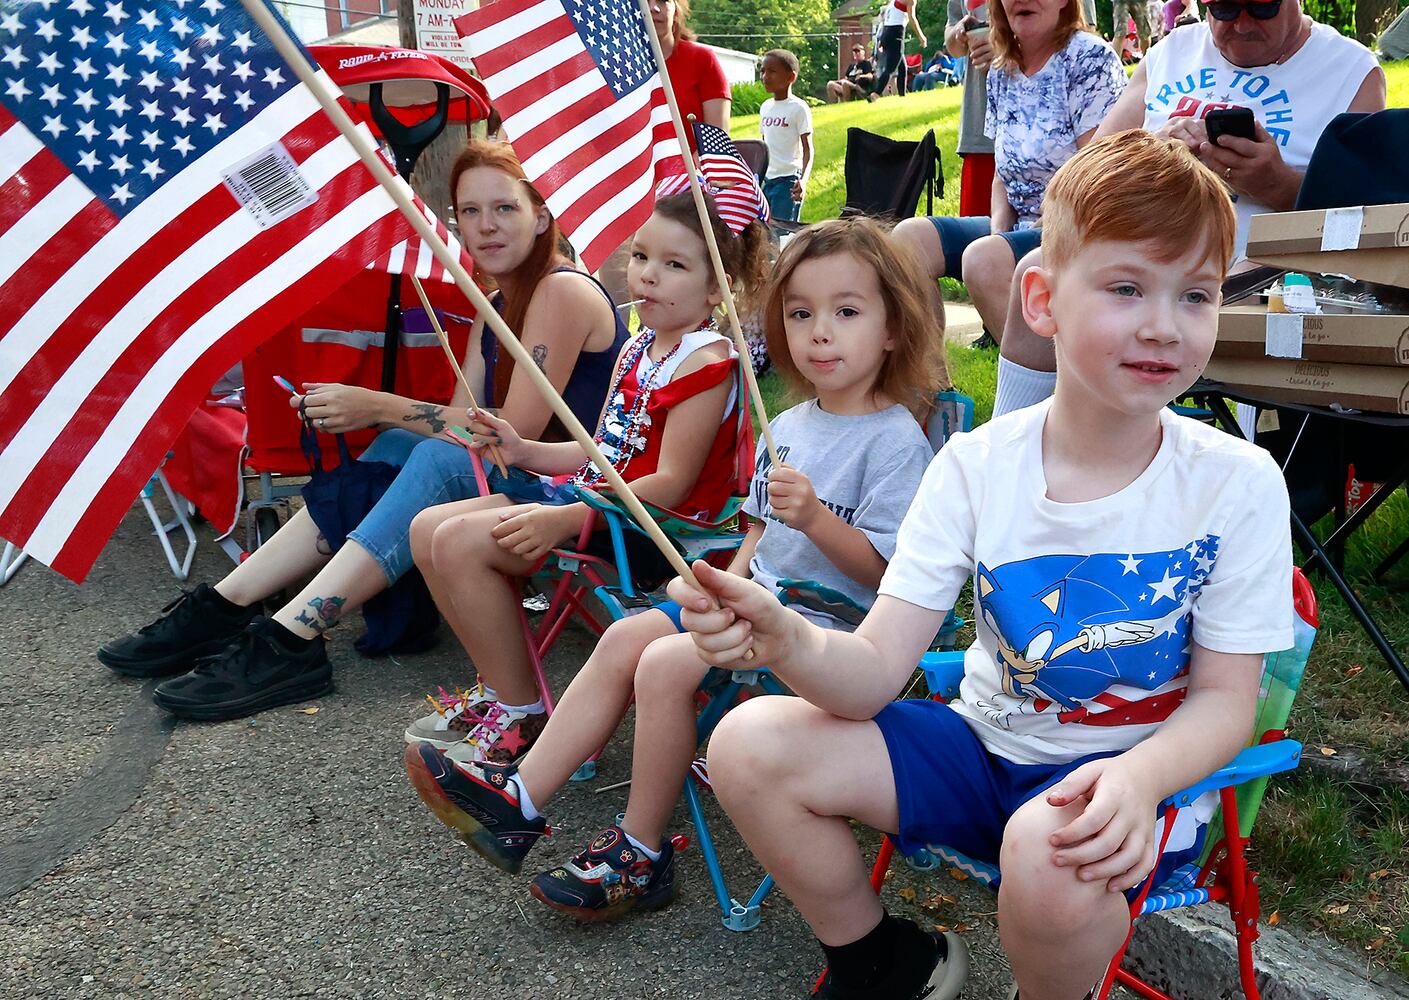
(454, 717)
(501, 736)
(477, 802)
(609, 879)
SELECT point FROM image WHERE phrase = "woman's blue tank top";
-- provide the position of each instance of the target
(587, 386)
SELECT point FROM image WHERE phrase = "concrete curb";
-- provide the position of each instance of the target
(1191, 954)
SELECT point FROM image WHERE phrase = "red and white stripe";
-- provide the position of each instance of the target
(592, 158)
(113, 329)
(413, 256)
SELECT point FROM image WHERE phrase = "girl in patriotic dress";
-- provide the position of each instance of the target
(669, 427)
(848, 323)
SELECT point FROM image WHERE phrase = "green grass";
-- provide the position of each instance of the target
(1331, 853)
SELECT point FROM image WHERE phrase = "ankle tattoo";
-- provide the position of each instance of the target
(326, 612)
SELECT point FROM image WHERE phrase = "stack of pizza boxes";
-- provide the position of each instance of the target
(1355, 357)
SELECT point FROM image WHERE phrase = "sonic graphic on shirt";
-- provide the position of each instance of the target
(1069, 627)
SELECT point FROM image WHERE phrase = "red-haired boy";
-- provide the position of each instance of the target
(1130, 567)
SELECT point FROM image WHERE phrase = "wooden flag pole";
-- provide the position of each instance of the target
(455, 366)
(400, 193)
(735, 328)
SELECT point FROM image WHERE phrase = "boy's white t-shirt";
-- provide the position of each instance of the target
(1086, 612)
(783, 124)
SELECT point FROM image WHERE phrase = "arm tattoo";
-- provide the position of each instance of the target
(540, 356)
(428, 412)
(326, 612)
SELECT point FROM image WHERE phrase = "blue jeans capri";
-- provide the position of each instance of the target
(951, 790)
(433, 472)
(957, 232)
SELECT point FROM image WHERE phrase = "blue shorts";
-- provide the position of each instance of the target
(957, 232)
(672, 611)
(951, 790)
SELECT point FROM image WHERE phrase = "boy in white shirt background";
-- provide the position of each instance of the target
(1130, 569)
(785, 121)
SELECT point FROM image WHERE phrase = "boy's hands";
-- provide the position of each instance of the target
(491, 429)
(1113, 838)
(530, 532)
(793, 500)
(732, 618)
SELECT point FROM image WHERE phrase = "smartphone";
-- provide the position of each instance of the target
(1230, 121)
(285, 384)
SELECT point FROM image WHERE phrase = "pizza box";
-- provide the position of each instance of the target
(1370, 243)
(1373, 339)
(1380, 389)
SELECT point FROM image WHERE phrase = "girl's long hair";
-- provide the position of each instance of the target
(1007, 53)
(745, 256)
(913, 370)
(518, 287)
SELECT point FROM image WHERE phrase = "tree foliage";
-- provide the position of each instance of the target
(776, 24)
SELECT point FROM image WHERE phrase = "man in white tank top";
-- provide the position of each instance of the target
(1294, 73)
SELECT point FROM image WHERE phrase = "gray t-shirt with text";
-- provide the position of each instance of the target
(866, 470)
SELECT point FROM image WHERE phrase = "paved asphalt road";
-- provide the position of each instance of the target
(287, 856)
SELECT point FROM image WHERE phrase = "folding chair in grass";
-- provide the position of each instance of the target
(1222, 875)
(885, 177)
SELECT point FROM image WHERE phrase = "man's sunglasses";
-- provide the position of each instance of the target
(1228, 10)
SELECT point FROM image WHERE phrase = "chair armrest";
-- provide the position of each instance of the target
(1254, 762)
(943, 672)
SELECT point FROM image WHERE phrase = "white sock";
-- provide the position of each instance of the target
(536, 708)
(489, 693)
(1019, 386)
(530, 811)
(653, 855)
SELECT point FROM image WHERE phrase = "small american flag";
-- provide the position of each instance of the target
(734, 184)
(577, 87)
(170, 195)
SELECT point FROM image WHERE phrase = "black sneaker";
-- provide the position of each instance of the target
(253, 672)
(609, 879)
(472, 799)
(198, 623)
(948, 966)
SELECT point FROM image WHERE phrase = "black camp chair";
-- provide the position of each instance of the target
(755, 154)
(885, 177)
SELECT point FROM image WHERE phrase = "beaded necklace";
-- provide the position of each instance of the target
(620, 443)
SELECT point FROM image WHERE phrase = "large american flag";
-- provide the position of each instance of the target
(728, 178)
(169, 196)
(577, 87)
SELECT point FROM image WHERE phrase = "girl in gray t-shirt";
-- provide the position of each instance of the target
(847, 321)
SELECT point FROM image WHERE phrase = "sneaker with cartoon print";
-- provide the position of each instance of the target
(610, 878)
(476, 802)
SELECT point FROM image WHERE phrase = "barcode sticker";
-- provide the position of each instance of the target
(269, 186)
(1283, 335)
(1342, 229)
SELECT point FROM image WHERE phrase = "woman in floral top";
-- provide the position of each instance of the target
(1052, 81)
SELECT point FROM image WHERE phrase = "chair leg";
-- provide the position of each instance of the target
(10, 562)
(531, 645)
(1243, 902)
